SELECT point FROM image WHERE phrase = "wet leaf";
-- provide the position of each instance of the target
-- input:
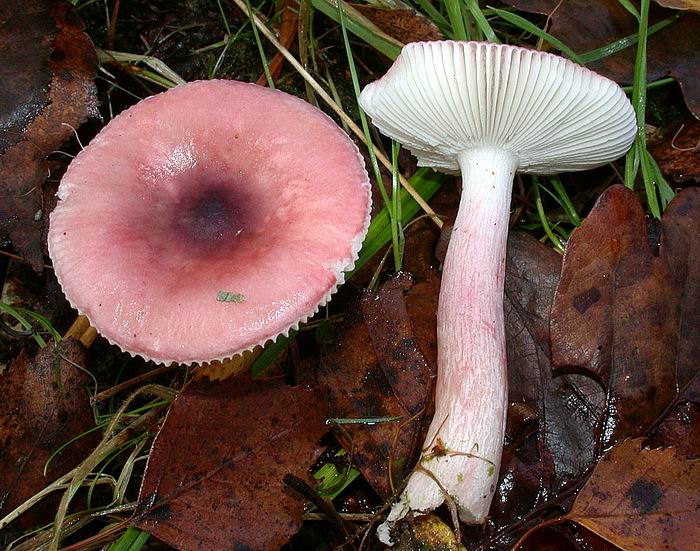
(626, 315)
(405, 25)
(37, 416)
(567, 408)
(47, 71)
(680, 429)
(693, 5)
(377, 370)
(585, 25)
(214, 476)
(678, 155)
(642, 499)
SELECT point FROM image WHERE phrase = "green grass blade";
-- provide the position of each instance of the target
(261, 50)
(361, 27)
(626, 42)
(638, 156)
(530, 27)
(267, 357)
(651, 85)
(332, 481)
(630, 8)
(649, 182)
(543, 218)
(562, 197)
(131, 540)
(44, 322)
(163, 75)
(481, 21)
(666, 192)
(23, 321)
(365, 128)
(454, 13)
(435, 16)
(397, 236)
(426, 183)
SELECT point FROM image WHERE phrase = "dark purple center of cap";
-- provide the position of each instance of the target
(212, 215)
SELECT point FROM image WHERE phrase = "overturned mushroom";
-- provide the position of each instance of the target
(207, 220)
(488, 111)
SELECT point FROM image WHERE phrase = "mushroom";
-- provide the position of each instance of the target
(207, 220)
(487, 110)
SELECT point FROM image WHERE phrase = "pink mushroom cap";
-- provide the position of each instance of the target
(207, 220)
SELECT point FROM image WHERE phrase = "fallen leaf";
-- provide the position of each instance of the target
(567, 407)
(627, 316)
(693, 5)
(585, 25)
(214, 475)
(680, 247)
(678, 154)
(680, 429)
(405, 25)
(47, 71)
(642, 499)
(377, 370)
(37, 416)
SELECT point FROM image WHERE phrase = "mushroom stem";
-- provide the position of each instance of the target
(462, 451)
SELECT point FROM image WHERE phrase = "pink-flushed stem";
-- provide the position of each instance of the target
(462, 451)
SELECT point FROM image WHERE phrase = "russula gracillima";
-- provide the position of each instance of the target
(487, 111)
(207, 220)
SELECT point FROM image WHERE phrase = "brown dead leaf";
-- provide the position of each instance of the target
(678, 154)
(692, 5)
(567, 408)
(405, 25)
(681, 430)
(585, 25)
(626, 315)
(377, 369)
(567, 405)
(36, 417)
(642, 499)
(214, 476)
(680, 247)
(47, 70)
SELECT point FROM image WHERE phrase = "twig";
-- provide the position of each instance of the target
(116, 389)
(324, 505)
(23, 260)
(350, 517)
(100, 536)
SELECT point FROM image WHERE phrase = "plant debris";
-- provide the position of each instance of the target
(45, 404)
(642, 499)
(678, 154)
(215, 474)
(47, 72)
(404, 24)
(377, 370)
(629, 316)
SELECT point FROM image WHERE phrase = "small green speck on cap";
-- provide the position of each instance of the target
(225, 296)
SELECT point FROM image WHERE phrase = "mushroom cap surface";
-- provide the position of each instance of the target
(442, 98)
(207, 220)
